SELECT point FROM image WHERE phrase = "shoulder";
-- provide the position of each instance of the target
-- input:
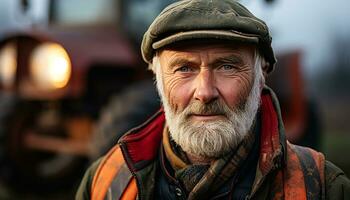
(85, 185)
(100, 175)
(337, 183)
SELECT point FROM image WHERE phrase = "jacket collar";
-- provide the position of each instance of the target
(140, 145)
(272, 136)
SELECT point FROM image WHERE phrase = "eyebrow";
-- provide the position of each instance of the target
(180, 61)
(232, 59)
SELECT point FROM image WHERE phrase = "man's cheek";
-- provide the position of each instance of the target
(231, 96)
(176, 101)
(179, 94)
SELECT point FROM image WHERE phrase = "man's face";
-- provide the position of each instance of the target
(204, 89)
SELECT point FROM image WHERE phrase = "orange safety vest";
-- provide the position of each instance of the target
(106, 172)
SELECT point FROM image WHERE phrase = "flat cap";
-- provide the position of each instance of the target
(207, 19)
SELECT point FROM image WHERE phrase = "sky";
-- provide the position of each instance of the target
(308, 25)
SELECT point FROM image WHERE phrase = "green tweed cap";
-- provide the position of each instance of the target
(207, 19)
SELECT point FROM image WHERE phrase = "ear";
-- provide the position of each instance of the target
(155, 63)
(264, 74)
(262, 82)
(150, 67)
(265, 66)
(263, 78)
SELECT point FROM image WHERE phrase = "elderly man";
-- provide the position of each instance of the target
(220, 134)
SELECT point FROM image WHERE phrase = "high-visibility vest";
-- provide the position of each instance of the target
(106, 172)
(302, 176)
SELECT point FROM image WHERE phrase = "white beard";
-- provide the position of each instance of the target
(212, 139)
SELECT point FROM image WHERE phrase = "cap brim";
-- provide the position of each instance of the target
(205, 34)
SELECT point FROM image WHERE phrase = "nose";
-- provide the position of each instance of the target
(206, 90)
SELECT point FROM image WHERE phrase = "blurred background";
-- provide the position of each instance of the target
(72, 81)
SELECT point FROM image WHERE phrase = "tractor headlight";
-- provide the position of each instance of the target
(8, 64)
(50, 66)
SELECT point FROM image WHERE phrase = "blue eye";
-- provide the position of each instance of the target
(227, 67)
(184, 69)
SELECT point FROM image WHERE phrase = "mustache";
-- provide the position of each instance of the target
(216, 107)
